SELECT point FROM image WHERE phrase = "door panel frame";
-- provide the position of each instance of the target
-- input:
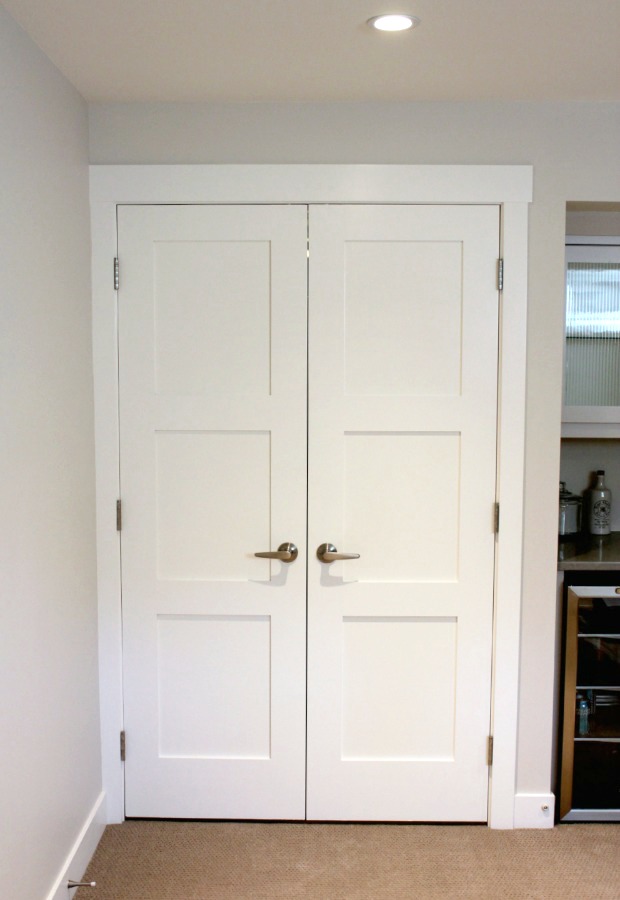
(510, 187)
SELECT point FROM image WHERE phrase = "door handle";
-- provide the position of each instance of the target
(285, 553)
(328, 553)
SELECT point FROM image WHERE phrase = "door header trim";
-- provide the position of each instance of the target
(311, 184)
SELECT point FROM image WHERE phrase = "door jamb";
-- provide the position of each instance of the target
(509, 187)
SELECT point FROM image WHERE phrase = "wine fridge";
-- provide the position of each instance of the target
(590, 739)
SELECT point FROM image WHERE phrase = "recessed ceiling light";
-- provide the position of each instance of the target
(394, 22)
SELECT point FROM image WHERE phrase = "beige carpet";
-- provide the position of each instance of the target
(250, 861)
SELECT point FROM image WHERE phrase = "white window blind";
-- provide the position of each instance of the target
(592, 357)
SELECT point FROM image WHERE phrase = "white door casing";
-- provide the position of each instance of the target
(508, 186)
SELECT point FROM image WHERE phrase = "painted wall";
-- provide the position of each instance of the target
(598, 221)
(49, 747)
(574, 150)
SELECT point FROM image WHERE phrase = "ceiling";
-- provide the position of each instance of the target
(322, 50)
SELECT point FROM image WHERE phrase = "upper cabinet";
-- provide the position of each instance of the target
(592, 338)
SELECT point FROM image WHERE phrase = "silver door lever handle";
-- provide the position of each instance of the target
(285, 553)
(328, 553)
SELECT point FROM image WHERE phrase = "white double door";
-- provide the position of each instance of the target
(308, 375)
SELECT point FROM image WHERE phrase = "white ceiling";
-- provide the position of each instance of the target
(321, 50)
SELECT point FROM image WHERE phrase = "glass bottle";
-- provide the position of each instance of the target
(583, 712)
(599, 506)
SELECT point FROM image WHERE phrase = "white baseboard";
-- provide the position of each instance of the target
(534, 810)
(81, 852)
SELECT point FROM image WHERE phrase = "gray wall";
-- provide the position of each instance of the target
(574, 150)
(49, 751)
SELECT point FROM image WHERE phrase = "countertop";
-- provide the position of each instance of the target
(590, 552)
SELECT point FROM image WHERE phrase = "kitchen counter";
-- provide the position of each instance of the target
(590, 552)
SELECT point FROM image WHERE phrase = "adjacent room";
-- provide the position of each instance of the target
(298, 340)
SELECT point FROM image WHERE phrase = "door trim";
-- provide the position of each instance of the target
(508, 186)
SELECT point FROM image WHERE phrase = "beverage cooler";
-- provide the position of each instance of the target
(590, 735)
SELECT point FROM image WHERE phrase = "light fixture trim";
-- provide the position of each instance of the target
(393, 22)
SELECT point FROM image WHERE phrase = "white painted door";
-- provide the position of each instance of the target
(402, 446)
(402, 425)
(212, 349)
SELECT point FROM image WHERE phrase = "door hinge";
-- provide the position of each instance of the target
(116, 273)
(496, 518)
(490, 751)
(123, 746)
(119, 515)
(500, 274)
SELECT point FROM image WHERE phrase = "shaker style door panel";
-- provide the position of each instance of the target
(212, 330)
(402, 446)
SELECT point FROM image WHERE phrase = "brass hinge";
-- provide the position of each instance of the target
(123, 746)
(116, 273)
(119, 515)
(500, 274)
(489, 750)
(496, 518)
